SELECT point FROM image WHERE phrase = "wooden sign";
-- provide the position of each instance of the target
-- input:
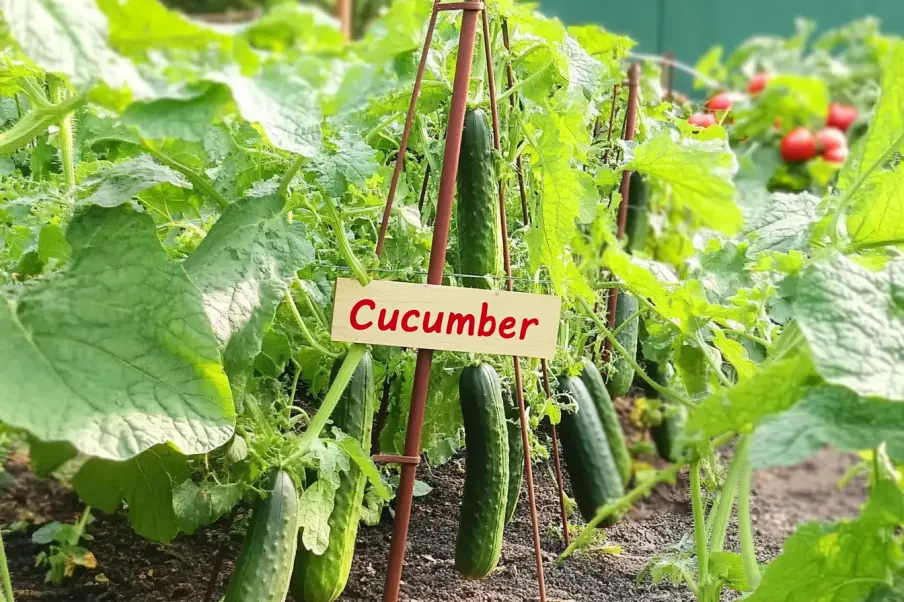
(425, 316)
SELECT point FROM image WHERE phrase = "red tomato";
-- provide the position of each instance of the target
(757, 83)
(838, 154)
(831, 139)
(798, 145)
(703, 120)
(841, 116)
(721, 101)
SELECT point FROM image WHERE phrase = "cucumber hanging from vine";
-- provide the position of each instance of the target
(483, 507)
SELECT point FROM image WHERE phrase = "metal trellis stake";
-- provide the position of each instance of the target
(409, 462)
(519, 170)
(630, 126)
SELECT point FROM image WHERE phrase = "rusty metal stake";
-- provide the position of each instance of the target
(404, 495)
(556, 460)
(630, 126)
(344, 14)
(506, 256)
(526, 217)
(409, 120)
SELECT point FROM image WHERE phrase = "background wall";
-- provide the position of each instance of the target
(690, 27)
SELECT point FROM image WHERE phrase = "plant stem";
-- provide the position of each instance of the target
(304, 328)
(873, 244)
(4, 569)
(349, 364)
(527, 80)
(848, 197)
(711, 361)
(699, 529)
(618, 505)
(721, 513)
(344, 246)
(289, 176)
(745, 530)
(83, 521)
(631, 361)
(313, 307)
(677, 65)
(59, 93)
(36, 122)
(751, 337)
(197, 180)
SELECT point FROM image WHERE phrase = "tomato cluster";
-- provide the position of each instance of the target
(800, 144)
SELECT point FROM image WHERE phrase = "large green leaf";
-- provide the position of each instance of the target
(241, 269)
(352, 161)
(146, 483)
(828, 416)
(837, 562)
(785, 223)
(281, 103)
(777, 386)
(137, 26)
(119, 183)
(853, 319)
(698, 174)
(114, 354)
(887, 123)
(185, 117)
(562, 187)
(70, 38)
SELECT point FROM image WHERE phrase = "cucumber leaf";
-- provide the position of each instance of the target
(853, 319)
(118, 183)
(146, 483)
(841, 561)
(241, 268)
(114, 354)
(698, 174)
(828, 415)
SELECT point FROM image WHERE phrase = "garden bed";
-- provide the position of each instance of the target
(133, 569)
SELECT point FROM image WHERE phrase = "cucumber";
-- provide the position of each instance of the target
(605, 409)
(638, 224)
(622, 373)
(264, 567)
(322, 578)
(516, 453)
(483, 505)
(594, 477)
(477, 217)
(666, 435)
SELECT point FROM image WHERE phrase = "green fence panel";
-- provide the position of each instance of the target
(690, 27)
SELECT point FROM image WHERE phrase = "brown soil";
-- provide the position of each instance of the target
(134, 570)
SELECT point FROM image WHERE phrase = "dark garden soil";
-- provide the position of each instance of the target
(130, 569)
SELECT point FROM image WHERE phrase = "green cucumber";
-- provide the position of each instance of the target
(638, 223)
(594, 477)
(322, 578)
(477, 217)
(666, 435)
(622, 373)
(605, 409)
(264, 568)
(516, 453)
(483, 505)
